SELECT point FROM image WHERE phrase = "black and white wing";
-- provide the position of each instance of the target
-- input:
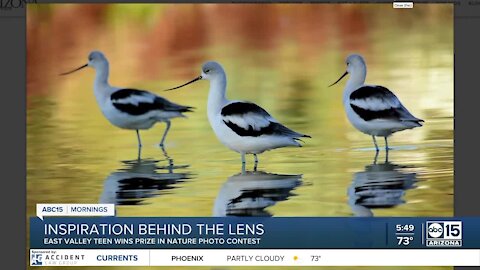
(249, 119)
(138, 102)
(372, 102)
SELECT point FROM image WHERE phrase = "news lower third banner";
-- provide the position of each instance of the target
(127, 241)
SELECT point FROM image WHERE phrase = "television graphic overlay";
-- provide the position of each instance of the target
(444, 234)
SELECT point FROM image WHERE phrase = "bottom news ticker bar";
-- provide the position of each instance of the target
(258, 257)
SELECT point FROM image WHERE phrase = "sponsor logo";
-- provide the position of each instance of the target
(54, 258)
(36, 259)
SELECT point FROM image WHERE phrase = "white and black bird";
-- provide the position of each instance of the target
(129, 108)
(373, 109)
(242, 126)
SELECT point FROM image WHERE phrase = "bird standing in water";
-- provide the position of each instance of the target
(373, 109)
(129, 108)
(242, 126)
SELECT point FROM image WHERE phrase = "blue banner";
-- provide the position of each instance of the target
(256, 233)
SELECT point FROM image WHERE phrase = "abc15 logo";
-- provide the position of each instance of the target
(448, 230)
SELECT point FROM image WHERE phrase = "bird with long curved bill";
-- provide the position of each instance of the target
(373, 109)
(242, 126)
(129, 108)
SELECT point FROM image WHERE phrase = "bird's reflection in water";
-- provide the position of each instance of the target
(249, 193)
(380, 185)
(141, 179)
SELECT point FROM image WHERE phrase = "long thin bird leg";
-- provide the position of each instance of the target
(256, 162)
(165, 133)
(243, 163)
(375, 142)
(386, 145)
(375, 158)
(169, 159)
(139, 154)
(139, 140)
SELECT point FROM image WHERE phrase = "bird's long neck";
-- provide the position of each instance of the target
(101, 85)
(101, 76)
(216, 96)
(357, 79)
